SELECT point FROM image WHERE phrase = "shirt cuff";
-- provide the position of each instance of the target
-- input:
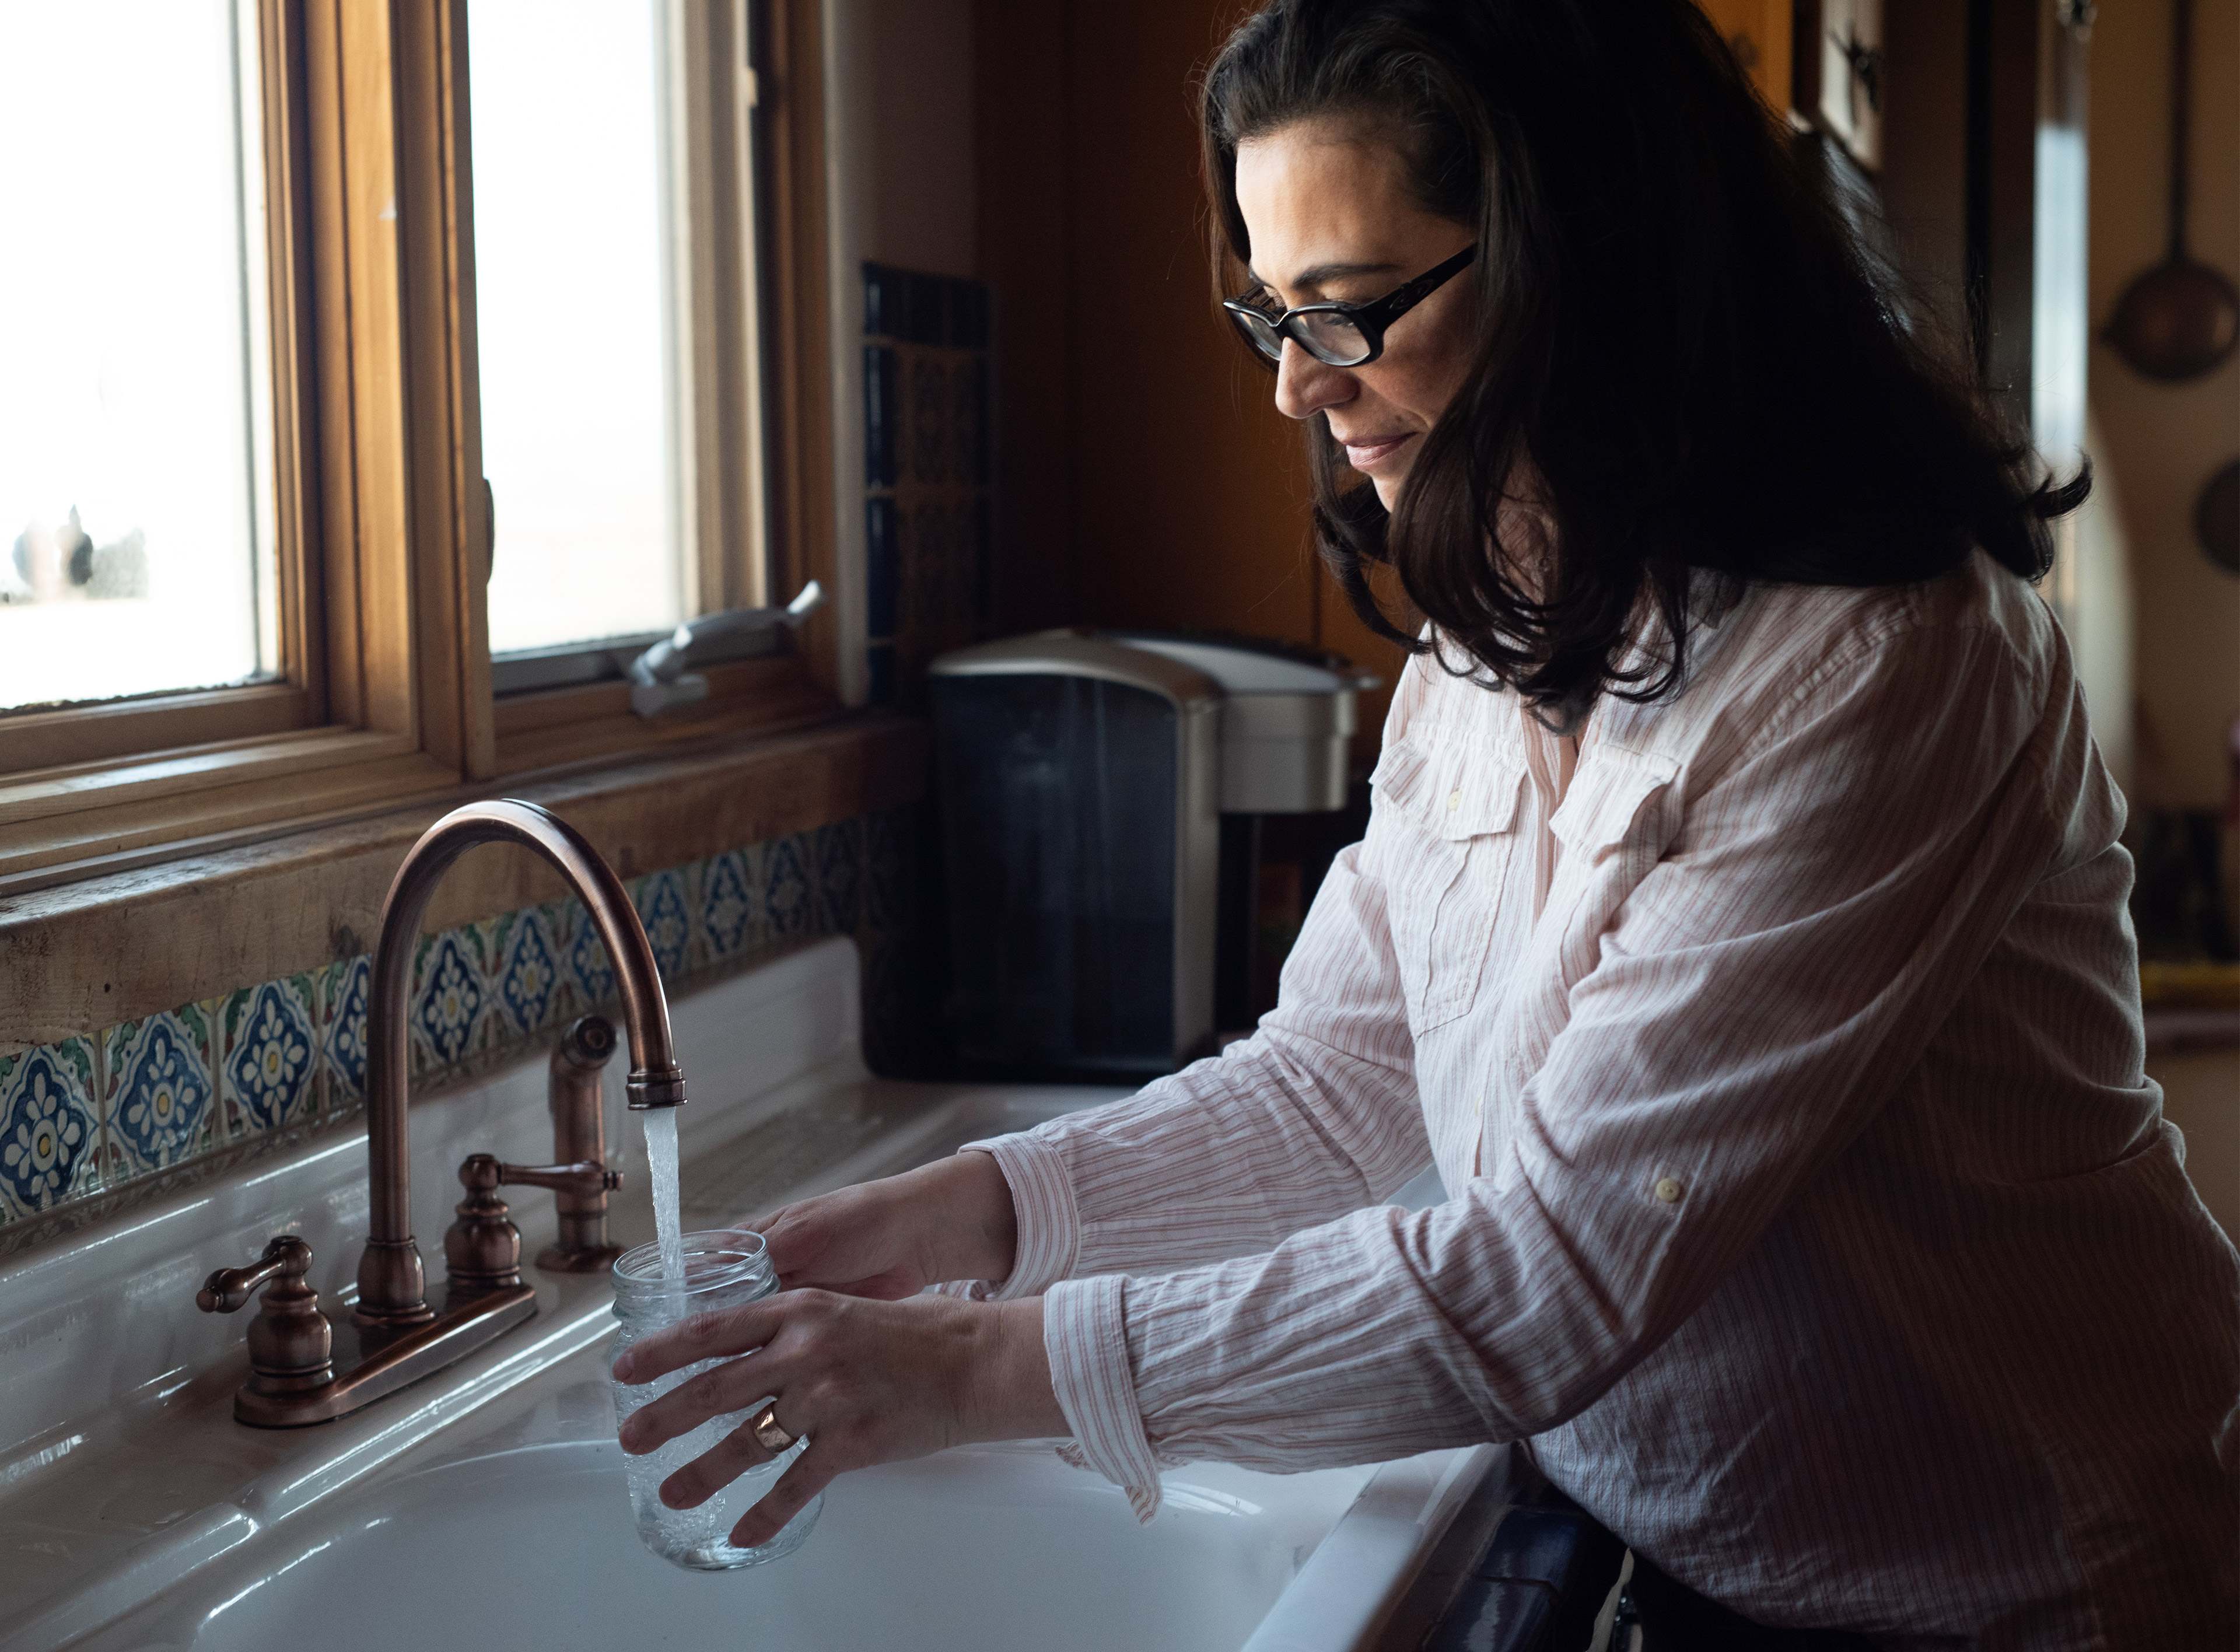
(1048, 1222)
(1085, 1335)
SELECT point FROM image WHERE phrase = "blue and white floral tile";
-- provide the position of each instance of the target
(527, 980)
(886, 868)
(590, 977)
(162, 1105)
(839, 850)
(789, 897)
(343, 989)
(664, 908)
(730, 906)
(452, 1002)
(49, 1127)
(269, 1069)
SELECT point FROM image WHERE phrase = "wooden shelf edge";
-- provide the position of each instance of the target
(119, 940)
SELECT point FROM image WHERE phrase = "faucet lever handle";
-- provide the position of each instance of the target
(290, 1343)
(483, 1247)
(587, 1175)
(286, 1260)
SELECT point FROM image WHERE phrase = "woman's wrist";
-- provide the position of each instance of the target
(1010, 1395)
(972, 1227)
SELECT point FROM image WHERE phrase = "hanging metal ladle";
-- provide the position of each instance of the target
(2179, 319)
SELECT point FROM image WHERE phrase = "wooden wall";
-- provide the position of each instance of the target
(1145, 476)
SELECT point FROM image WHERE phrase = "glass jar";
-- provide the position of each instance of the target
(721, 1270)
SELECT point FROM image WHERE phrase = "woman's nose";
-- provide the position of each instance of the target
(1304, 386)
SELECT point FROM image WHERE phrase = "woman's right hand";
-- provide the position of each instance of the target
(953, 1219)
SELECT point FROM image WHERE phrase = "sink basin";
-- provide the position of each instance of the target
(486, 1505)
(524, 1534)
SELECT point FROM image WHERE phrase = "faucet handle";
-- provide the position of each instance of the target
(587, 1175)
(483, 1247)
(290, 1344)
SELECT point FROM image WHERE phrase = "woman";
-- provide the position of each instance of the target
(1740, 927)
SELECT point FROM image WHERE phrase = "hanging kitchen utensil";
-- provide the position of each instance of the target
(2216, 517)
(2181, 319)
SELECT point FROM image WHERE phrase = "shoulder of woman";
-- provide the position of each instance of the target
(1776, 650)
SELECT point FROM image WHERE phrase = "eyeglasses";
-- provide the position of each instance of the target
(1340, 334)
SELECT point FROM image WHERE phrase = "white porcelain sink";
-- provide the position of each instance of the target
(485, 1507)
(508, 1540)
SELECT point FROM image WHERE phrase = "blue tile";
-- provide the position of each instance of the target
(839, 877)
(589, 973)
(925, 430)
(882, 394)
(727, 907)
(271, 1053)
(786, 898)
(163, 1100)
(343, 1004)
(527, 971)
(659, 897)
(882, 571)
(450, 1001)
(49, 1129)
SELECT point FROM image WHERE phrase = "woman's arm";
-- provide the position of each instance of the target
(1755, 997)
(1314, 1116)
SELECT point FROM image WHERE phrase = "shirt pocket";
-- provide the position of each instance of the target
(1454, 818)
(1612, 826)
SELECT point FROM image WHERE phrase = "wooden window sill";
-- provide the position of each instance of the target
(563, 726)
(244, 905)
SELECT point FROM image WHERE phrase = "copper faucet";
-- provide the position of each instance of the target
(403, 1337)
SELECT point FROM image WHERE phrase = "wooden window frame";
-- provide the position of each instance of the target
(381, 517)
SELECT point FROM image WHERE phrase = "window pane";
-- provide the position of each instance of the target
(573, 319)
(136, 550)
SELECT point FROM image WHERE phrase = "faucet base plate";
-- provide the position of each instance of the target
(589, 1259)
(404, 1358)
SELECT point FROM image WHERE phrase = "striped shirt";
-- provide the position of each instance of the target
(1813, 1218)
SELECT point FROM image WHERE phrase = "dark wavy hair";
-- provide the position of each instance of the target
(1677, 335)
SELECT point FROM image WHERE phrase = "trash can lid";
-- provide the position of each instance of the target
(1251, 664)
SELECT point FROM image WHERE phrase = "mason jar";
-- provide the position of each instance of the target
(721, 1270)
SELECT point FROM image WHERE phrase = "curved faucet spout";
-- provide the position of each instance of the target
(392, 1285)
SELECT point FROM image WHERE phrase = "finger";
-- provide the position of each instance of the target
(808, 1476)
(745, 1383)
(734, 1385)
(715, 1335)
(715, 1468)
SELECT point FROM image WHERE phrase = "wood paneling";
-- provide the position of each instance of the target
(1145, 476)
(799, 396)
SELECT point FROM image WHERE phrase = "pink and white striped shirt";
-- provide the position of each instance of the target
(1813, 1218)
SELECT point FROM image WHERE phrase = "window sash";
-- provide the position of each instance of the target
(380, 511)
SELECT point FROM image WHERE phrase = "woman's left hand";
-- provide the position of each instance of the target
(865, 1381)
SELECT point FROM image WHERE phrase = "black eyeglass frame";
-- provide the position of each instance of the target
(1370, 319)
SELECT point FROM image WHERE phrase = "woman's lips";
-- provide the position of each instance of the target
(1366, 453)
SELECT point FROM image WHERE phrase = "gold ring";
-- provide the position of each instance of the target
(770, 1432)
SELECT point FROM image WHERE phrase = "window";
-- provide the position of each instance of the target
(246, 478)
(614, 277)
(136, 552)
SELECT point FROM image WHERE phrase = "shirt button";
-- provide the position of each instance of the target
(1454, 800)
(1667, 1190)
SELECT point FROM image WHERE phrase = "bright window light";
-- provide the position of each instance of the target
(136, 547)
(574, 320)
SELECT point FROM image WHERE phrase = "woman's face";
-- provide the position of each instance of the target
(1333, 217)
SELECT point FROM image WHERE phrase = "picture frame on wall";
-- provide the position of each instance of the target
(1837, 74)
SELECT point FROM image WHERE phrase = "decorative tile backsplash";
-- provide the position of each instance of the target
(926, 502)
(88, 1124)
